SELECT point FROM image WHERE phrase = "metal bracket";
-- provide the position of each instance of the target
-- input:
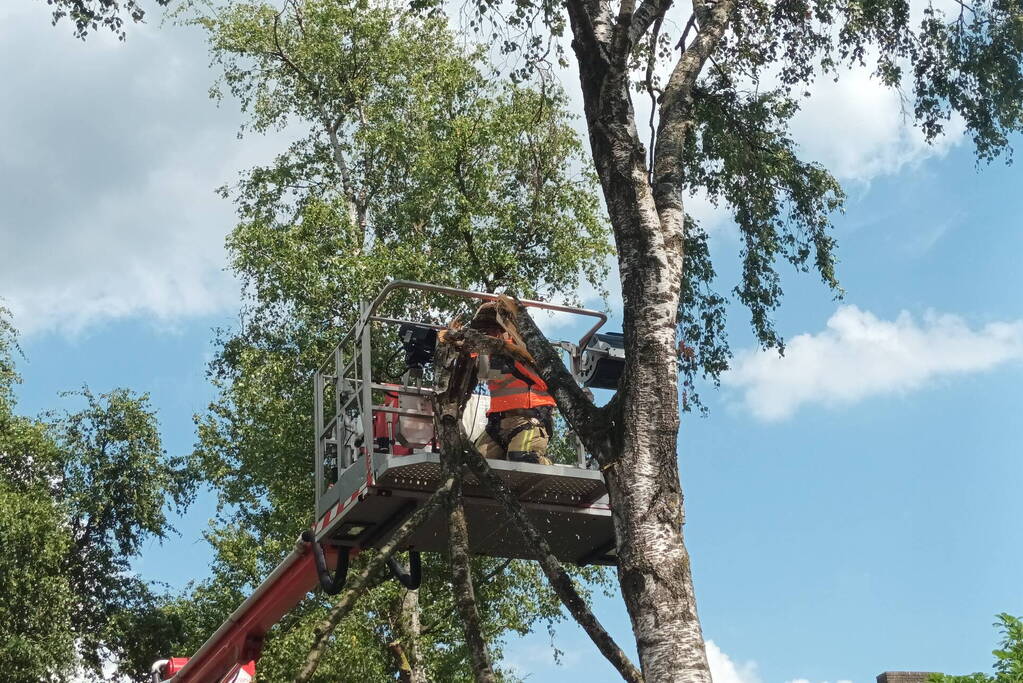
(598, 553)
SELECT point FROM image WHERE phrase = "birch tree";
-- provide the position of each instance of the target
(406, 160)
(724, 79)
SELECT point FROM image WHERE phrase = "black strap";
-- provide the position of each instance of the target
(493, 429)
(507, 365)
(544, 415)
(515, 431)
(522, 376)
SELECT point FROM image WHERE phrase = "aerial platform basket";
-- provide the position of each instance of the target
(376, 461)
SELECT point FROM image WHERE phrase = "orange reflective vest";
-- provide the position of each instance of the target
(518, 387)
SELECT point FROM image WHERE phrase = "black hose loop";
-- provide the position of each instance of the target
(331, 585)
(412, 578)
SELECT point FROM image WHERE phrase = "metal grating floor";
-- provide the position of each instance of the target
(551, 484)
(567, 505)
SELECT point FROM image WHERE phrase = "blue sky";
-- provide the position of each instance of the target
(852, 508)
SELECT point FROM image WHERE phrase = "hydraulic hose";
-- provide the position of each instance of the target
(412, 578)
(331, 585)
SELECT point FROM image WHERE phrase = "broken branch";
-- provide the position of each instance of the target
(559, 579)
(585, 418)
(457, 375)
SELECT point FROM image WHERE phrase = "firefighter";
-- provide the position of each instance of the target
(519, 420)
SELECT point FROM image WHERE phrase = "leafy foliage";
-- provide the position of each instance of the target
(90, 15)
(963, 63)
(116, 483)
(8, 372)
(416, 163)
(36, 638)
(742, 155)
(966, 64)
(79, 494)
(1008, 667)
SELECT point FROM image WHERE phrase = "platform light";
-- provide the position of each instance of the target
(353, 529)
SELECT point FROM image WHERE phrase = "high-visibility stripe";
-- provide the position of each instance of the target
(509, 391)
(529, 439)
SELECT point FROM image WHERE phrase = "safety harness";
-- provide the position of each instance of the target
(543, 414)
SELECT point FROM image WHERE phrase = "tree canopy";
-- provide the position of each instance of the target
(724, 80)
(36, 638)
(80, 492)
(409, 160)
(1008, 666)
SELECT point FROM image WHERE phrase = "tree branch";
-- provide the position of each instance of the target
(591, 39)
(458, 379)
(467, 237)
(649, 12)
(621, 45)
(411, 634)
(433, 625)
(690, 64)
(401, 661)
(331, 126)
(559, 579)
(650, 63)
(690, 25)
(322, 632)
(676, 107)
(574, 404)
(461, 585)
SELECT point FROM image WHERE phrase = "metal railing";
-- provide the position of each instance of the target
(344, 381)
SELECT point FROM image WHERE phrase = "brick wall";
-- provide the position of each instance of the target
(903, 677)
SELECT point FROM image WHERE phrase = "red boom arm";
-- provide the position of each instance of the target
(231, 653)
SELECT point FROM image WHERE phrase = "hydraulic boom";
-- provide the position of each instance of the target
(230, 655)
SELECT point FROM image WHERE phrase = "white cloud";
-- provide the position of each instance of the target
(857, 128)
(108, 170)
(113, 150)
(724, 670)
(860, 129)
(859, 355)
(804, 680)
